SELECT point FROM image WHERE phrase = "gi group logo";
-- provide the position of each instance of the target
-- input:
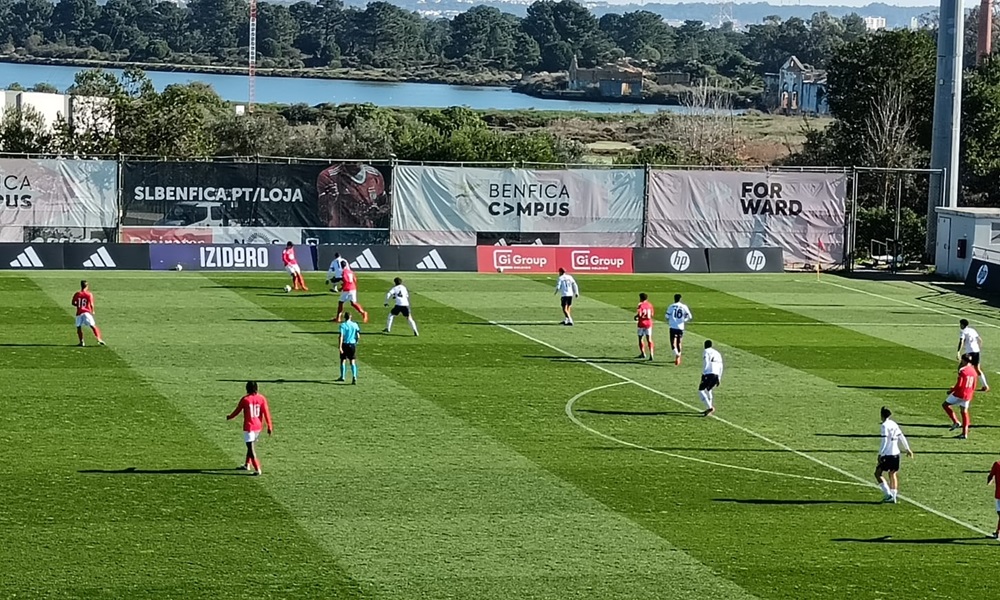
(756, 260)
(517, 260)
(680, 260)
(982, 275)
(606, 260)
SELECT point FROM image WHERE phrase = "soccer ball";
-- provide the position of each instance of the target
(499, 269)
(179, 267)
(288, 288)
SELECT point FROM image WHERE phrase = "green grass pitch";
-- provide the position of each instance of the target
(498, 455)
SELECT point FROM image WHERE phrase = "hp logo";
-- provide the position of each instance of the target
(982, 274)
(679, 260)
(756, 260)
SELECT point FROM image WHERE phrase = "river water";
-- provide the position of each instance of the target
(289, 90)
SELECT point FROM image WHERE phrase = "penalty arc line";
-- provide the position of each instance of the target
(738, 427)
(576, 421)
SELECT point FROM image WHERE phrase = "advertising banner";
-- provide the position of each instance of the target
(670, 260)
(31, 256)
(548, 259)
(343, 202)
(745, 260)
(983, 275)
(449, 206)
(106, 256)
(801, 213)
(438, 258)
(56, 193)
(360, 258)
(206, 257)
(216, 235)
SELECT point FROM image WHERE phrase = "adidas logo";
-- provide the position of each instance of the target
(27, 260)
(100, 260)
(432, 261)
(503, 242)
(366, 260)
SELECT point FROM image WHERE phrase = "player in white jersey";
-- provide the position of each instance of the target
(335, 274)
(888, 456)
(970, 343)
(400, 296)
(711, 377)
(678, 314)
(567, 289)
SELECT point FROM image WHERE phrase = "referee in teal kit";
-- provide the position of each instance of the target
(348, 343)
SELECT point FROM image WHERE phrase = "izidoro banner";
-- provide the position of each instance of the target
(801, 213)
(51, 198)
(333, 203)
(452, 205)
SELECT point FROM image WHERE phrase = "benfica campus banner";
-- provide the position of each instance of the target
(213, 202)
(41, 198)
(451, 205)
(801, 213)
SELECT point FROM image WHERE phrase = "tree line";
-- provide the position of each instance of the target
(382, 35)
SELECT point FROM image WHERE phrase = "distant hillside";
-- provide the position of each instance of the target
(895, 16)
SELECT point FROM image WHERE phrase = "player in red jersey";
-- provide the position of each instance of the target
(644, 318)
(961, 395)
(352, 195)
(994, 477)
(253, 406)
(349, 293)
(292, 266)
(84, 303)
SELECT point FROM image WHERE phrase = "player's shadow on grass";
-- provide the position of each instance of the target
(137, 471)
(281, 381)
(873, 435)
(955, 541)
(605, 360)
(283, 320)
(290, 295)
(238, 287)
(947, 426)
(39, 345)
(638, 413)
(786, 502)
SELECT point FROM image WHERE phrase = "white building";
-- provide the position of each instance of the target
(875, 23)
(81, 111)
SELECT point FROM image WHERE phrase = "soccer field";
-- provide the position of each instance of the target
(498, 455)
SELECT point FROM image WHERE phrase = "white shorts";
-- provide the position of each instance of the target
(998, 505)
(951, 400)
(250, 436)
(351, 296)
(645, 331)
(86, 319)
(293, 269)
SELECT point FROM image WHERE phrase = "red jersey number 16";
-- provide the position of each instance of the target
(254, 410)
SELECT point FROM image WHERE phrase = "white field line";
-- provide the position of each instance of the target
(572, 417)
(745, 430)
(911, 305)
(740, 323)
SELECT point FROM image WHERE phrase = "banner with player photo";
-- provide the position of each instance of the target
(451, 205)
(801, 213)
(337, 202)
(43, 198)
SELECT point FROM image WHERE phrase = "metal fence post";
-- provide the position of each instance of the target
(120, 181)
(647, 172)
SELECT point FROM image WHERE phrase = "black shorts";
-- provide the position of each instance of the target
(350, 352)
(708, 381)
(400, 310)
(676, 334)
(567, 301)
(974, 356)
(888, 463)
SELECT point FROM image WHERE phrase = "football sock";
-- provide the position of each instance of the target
(676, 353)
(256, 463)
(982, 380)
(885, 487)
(357, 307)
(650, 347)
(705, 398)
(354, 371)
(97, 333)
(302, 282)
(413, 324)
(343, 370)
(388, 323)
(79, 334)
(951, 414)
(965, 423)
(893, 493)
